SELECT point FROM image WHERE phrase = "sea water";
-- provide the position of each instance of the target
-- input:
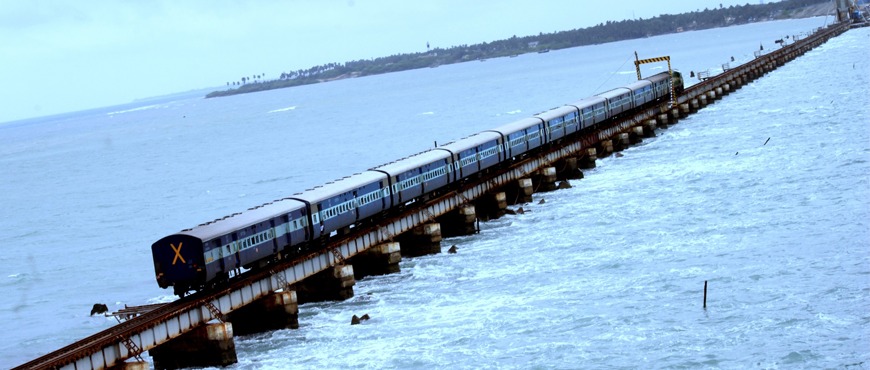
(763, 195)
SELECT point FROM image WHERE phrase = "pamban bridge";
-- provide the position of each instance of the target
(197, 330)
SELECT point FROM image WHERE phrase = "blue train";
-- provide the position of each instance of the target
(199, 257)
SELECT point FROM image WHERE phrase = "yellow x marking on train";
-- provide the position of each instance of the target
(177, 253)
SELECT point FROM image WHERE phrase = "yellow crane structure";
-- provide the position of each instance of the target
(638, 62)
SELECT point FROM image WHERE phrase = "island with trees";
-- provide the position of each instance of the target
(609, 31)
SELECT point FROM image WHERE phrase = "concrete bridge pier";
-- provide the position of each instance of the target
(131, 365)
(381, 259)
(702, 101)
(712, 96)
(491, 206)
(545, 179)
(719, 92)
(674, 116)
(519, 191)
(209, 345)
(333, 284)
(695, 104)
(605, 148)
(685, 109)
(649, 128)
(588, 161)
(622, 142)
(460, 221)
(568, 169)
(662, 121)
(421, 240)
(635, 135)
(273, 312)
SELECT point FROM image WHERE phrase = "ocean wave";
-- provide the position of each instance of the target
(283, 109)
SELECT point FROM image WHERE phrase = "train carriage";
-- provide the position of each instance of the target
(416, 175)
(345, 201)
(560, 122)
(661, 84)
(642, 92)
(190, 258)
(618, 100)
(521, 136)
(592, 111)
(475, 153)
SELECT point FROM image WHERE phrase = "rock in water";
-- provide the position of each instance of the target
(99, 308)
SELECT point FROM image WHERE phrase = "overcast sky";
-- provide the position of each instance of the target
(67, 55)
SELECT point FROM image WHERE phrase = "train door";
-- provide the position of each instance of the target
(236, 249)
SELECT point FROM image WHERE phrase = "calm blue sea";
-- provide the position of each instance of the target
(607, 274)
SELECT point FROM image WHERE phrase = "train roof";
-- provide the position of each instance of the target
(412, 162)
(588, 102)
(342, 185)
(638, 84)
(518, 125)
(658, 77)
(610, 94)
(557, 112)
(470, 141)
(236, 221)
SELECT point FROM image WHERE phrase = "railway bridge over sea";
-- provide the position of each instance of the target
(198, 330)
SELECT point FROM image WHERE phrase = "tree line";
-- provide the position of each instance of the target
(609, 31)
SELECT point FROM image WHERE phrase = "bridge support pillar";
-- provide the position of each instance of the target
(519, 192)
(703, 101)
(136, 365)
(685, 109)
(206, 346)
(635, 136)
(333, 284)
(662, 120)
(674, 116)
(381, 259)
(622, 142)
(588, 161)
(421, 240)
(276, 311)
(568, 169)
(545, 179)
(460, 221)
(605, 148)
(712, 96)
(491, 206)
(649, 128)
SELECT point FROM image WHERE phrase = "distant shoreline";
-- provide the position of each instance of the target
(599, 34)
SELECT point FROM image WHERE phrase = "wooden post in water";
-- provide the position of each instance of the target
(705, 294)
